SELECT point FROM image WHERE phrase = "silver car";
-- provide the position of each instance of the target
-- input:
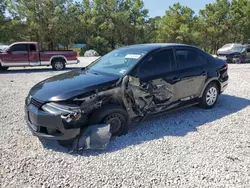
(3, 47)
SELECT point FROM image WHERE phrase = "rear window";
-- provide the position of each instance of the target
(32, 47)
(188, 58)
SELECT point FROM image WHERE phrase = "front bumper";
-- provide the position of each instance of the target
(48, 126)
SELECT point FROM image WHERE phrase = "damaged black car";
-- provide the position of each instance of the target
(234, 53)
(127, 85)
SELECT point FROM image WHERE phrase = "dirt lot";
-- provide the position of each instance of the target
(188, 148)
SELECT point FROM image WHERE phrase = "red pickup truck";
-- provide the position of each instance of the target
(23, 54)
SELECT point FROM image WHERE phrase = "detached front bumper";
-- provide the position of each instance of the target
(47, 125)
(50, 126)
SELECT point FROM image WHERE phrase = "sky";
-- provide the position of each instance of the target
(158, 7)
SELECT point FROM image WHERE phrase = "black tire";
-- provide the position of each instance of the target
(114, 114)
(3, 68)
(205, 102)
(58, 64)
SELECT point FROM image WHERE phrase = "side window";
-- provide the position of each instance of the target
(159, 63)
(188, 58)
(18, 48)
(32, 47)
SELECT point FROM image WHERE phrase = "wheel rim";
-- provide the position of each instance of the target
(116, 121)
(211, 97)
(59, 65)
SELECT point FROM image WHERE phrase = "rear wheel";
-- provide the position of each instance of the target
(114, 115)
(58, 64)
(210, 96)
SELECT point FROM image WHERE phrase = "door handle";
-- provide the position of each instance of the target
(176, 79)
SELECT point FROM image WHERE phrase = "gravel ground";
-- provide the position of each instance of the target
(188, 148)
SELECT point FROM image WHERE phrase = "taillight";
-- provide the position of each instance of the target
(227, 65)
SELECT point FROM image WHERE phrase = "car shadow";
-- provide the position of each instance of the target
(177, 124)
(35, 70)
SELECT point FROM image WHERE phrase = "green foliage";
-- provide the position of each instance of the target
(107, 24)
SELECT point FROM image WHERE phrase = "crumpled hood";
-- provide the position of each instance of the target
(70, 84)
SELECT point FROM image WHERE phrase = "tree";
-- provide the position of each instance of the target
(112, 23)
(150, 30)
(2, 9)
(42, 17)
(68, 24)
(177, 25)
(214, 24)
(240, 20)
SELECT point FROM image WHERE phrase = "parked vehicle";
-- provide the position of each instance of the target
(3, 47)
(234, 53)
(126, 85)
(23, 54)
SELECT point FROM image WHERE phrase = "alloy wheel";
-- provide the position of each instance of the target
(211, 96)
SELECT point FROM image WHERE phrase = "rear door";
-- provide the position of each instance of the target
(34, 55)
(153, 86)
(192, 72)
(18, 55)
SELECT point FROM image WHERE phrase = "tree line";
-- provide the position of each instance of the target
(107, 24)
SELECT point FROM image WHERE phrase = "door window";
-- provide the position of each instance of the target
(18, 48)
(188, 58)
(159, 63)
(32, 48)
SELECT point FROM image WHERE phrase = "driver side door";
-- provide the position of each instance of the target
(17, 55)
(153, 84)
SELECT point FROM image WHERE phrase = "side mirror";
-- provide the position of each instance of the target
(8, 51)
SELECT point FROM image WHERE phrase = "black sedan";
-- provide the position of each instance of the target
(126, 85)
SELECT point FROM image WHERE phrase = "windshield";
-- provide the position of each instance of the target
(117, 62)
(238, 48)
(233, 47)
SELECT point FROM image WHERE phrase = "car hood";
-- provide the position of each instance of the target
(65, 86)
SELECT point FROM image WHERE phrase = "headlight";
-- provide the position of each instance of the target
(68, 113)
(59, 109)
(28, 99)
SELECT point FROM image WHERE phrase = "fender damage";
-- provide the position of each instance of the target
(139, 99)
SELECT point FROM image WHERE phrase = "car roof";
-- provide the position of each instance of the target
(25, 43)
(234, 44)
(154, 46)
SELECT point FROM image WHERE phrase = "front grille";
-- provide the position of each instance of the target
(36, 103)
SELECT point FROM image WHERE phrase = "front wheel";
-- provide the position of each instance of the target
(210, 96)
(114, 115)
